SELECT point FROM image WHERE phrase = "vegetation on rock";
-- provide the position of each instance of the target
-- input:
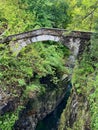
(21, 75)
(85, 87)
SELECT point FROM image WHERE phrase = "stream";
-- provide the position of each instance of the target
(51, 121)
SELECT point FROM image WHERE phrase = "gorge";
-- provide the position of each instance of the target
(48, 64)
(39, 105)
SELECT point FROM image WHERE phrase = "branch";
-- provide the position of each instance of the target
(89, 14)
(95, 6)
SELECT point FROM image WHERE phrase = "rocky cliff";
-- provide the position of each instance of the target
(77, 114)
(82, 106)
(40, 106)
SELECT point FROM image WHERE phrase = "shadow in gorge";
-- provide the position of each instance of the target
(51, 121)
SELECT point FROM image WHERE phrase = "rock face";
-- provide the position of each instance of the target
(7, 102)
(40, 106)
(76, 115)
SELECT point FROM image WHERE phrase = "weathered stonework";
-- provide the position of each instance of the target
(76, 41)
(73, 40)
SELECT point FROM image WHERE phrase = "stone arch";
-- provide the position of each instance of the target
(16, 46)
(73, 40)
(71, 43)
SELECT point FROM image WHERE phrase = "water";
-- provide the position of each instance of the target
(51, 121)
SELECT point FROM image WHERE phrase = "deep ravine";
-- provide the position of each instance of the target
(51, 121)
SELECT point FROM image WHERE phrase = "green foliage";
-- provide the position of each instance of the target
(35, 61)
(94, 95)
(39, 60)
(85, 80)
(22, 15)
(33, 88)
(84, 14)
(94, 44)
(25, 71)
(7, 120)
(21, 82)
(13, 18)
(44, 58)
(49, 13)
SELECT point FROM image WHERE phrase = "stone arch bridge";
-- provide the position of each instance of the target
(76, 41)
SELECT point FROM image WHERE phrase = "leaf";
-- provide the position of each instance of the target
(21, 82)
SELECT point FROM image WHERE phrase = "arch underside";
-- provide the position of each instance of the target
(16, 46)
(72, 44)
(45, 38)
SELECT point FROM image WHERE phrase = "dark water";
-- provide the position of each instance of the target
(51, 121)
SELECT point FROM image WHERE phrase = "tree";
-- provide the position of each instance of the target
(16, 19)
(94, 44)
(24, 15)
(47, 13)
(84, 13)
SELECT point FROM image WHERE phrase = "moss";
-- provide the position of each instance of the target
(82, 118)
(85, 87)
(64, 116)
